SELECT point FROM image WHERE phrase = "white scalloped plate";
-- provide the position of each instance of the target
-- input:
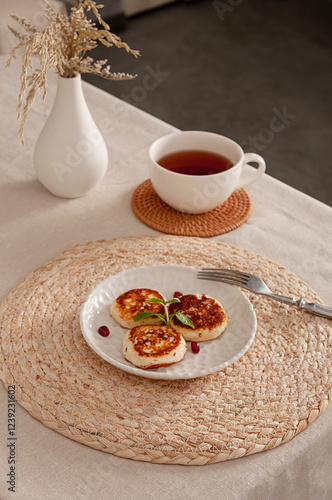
(214, 355)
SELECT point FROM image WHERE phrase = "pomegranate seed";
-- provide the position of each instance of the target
(195, 347)
(177, 295)
(103, 331)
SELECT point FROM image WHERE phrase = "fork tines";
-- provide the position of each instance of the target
(227, 275)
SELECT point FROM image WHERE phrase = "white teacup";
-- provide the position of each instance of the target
(195, 194)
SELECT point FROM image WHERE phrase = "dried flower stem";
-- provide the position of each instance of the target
(62, 46)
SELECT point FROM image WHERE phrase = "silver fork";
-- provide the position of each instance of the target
(257, 285)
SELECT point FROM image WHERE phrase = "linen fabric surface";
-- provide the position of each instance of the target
(32, 10)
(285, 225)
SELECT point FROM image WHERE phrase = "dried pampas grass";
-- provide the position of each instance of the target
(62, 46)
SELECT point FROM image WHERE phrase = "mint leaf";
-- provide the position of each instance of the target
(158, 301)
(173, 301)
(146, 314)
(183, 318)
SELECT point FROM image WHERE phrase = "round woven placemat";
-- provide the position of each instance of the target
(271, 394)
(155, 213)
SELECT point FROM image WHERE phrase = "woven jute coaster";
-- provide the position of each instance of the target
(155, 213)
(278, 388)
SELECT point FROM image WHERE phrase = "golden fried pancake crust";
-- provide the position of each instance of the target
(152, 346)
(134, 301)
(205, 312)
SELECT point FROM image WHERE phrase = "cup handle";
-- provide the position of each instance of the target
(247, 179)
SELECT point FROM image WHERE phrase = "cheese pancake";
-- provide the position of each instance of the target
(134, 301)
(207, 314)
(152, 346)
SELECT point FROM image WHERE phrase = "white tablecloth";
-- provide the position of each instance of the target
(32, 10)
(286, 226)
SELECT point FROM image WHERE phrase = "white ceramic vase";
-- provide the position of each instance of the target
(70, 155)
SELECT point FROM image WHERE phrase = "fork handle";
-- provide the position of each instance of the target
(318, 309)
(311, 307)
(286, 300)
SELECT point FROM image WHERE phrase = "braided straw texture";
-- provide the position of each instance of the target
(281, 385)
(155, 213)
